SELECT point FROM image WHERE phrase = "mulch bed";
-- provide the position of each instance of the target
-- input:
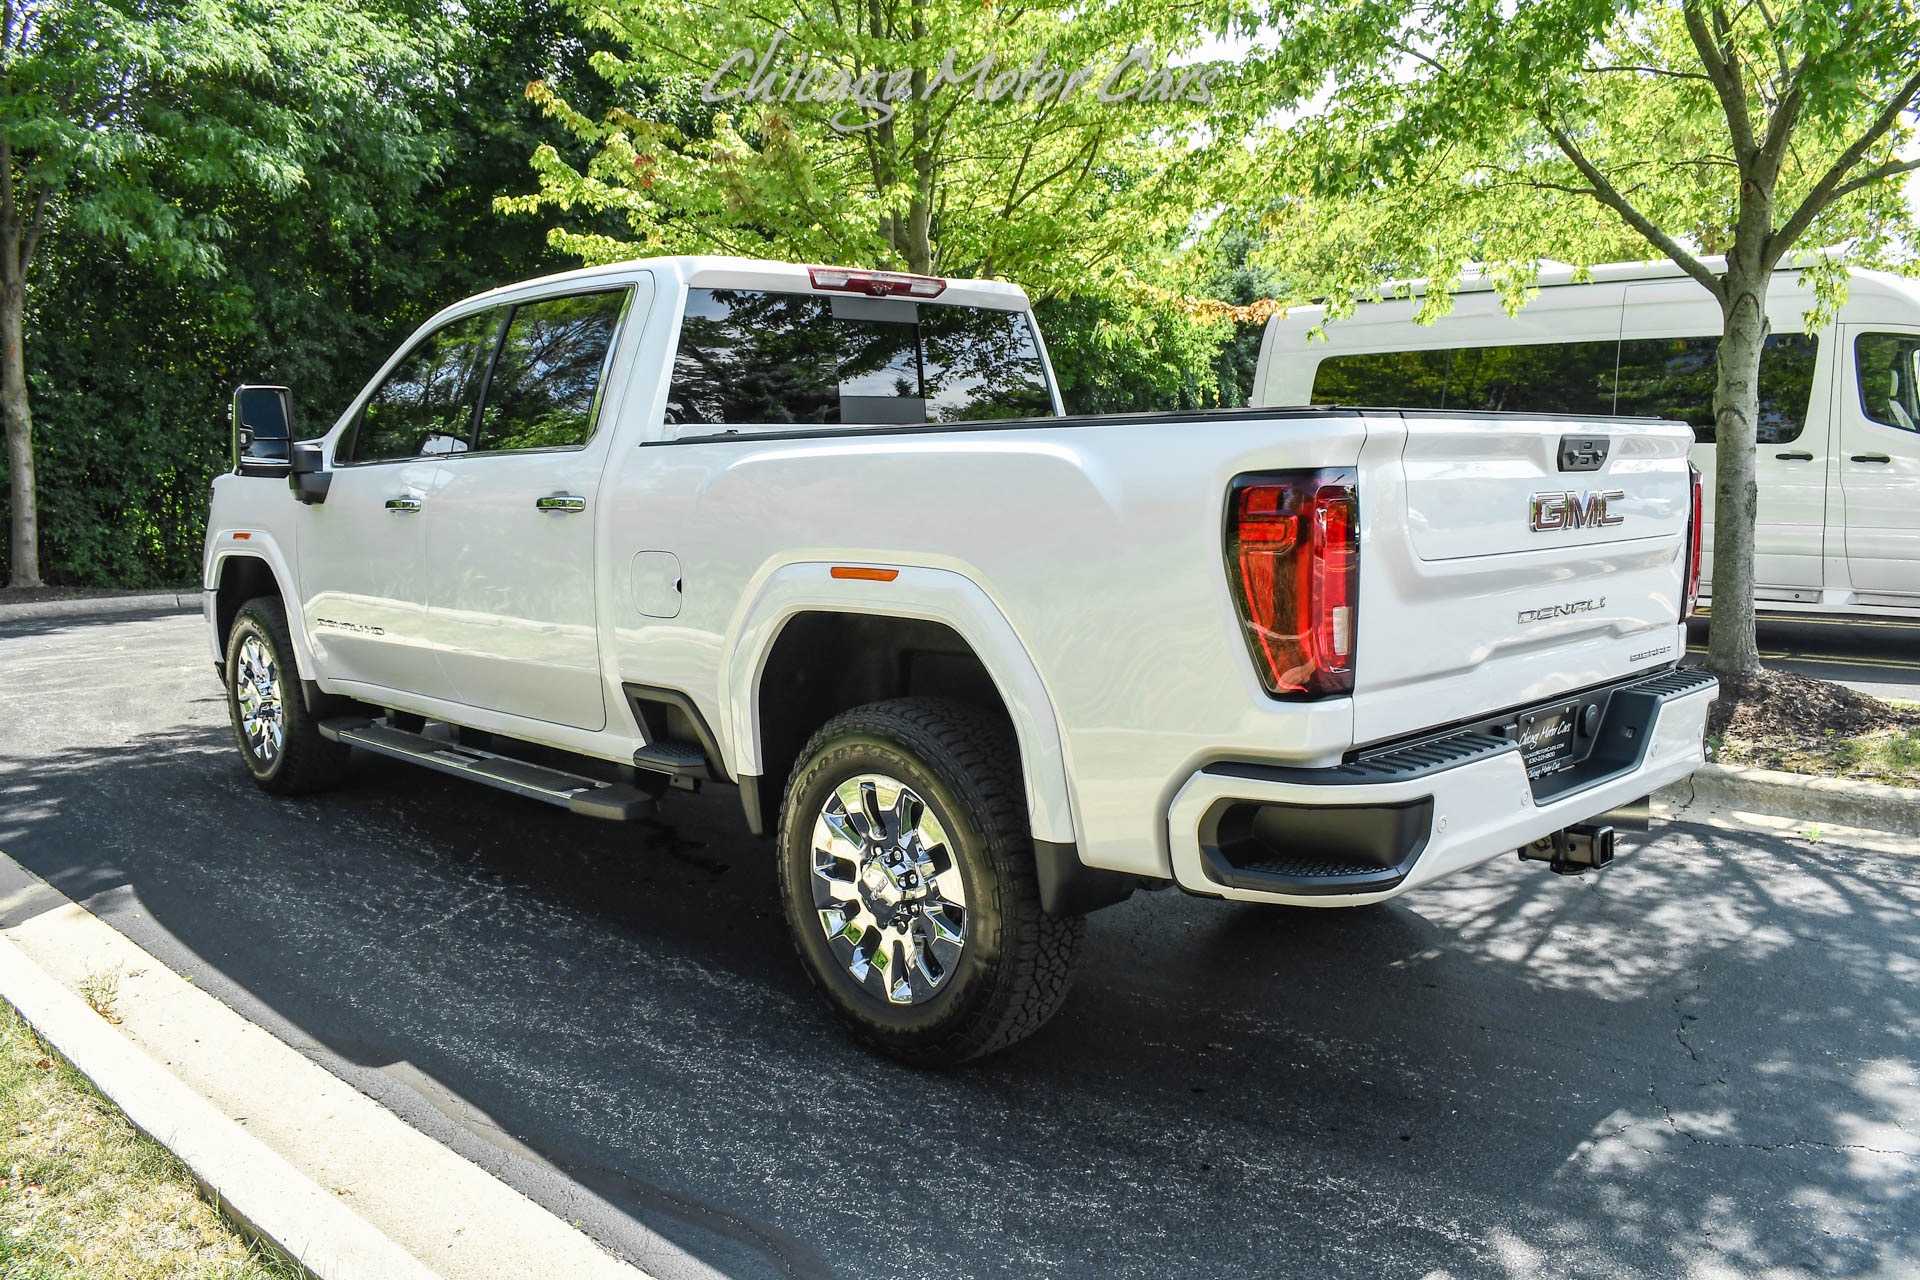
(1772, 705)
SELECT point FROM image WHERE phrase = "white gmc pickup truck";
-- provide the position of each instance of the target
(825, 536)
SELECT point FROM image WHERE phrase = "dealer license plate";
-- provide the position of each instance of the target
(1546, 739)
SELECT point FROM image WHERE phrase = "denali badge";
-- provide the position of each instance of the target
(1562, 610)
(1552, 511)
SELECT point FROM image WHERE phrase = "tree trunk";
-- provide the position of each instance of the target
(24, 557)
(1732, 650)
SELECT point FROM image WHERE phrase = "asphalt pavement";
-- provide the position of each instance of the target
(1701, 1062)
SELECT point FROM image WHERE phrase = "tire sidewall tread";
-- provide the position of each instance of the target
(1018, 961)
(308, 762)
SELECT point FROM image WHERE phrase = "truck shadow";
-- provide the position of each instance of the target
(1702, 1059)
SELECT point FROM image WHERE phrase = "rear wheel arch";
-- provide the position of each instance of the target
(816, 659)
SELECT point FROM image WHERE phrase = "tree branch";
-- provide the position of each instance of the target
(1723, 72)
(1829, 188)
(1605, 193)
(1651, 71)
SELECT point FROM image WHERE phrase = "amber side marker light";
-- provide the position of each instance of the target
(866, 575)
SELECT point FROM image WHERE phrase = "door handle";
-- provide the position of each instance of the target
(564, 503)
(1794, 456)
(403, 506)
(1871, 457)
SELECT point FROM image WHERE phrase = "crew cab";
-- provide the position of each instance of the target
(975, 666)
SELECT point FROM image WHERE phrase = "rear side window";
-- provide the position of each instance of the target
(425, 406)
(546, 380)
(1887, 368)
(1547, 377)
(1674, 378)
(1405, 379)
(1644, 377)
(748, 357)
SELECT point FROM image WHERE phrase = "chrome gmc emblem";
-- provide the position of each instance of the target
(1550, 511)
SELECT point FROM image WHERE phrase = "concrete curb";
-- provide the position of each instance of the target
(252, 1184)
(1801, 798)
(94, 606)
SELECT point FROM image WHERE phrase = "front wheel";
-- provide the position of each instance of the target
(277, 736)
(906, 869)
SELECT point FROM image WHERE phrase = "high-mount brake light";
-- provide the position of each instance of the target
(1696, 534)
(1293, 559)
(878, 284)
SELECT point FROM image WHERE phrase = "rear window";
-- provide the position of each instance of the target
(752, 358)
(1641, 377)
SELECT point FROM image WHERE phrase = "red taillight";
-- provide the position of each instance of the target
(1293, 547)
(878, 284)
(1695, 535)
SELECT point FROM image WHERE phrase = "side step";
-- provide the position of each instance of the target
(589, 797)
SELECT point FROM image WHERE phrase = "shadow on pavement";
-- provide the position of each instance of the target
(1702, 1058)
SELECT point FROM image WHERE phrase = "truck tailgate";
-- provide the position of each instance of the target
(1513, 563)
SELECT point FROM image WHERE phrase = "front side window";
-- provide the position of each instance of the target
(749, 357)
(425, 406)
(1887, 370)
(546, 380)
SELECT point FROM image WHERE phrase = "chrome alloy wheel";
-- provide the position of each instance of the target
(256, 689)
(887, 890)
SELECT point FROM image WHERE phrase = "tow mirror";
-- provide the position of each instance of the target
(262, 430)
(307, 473)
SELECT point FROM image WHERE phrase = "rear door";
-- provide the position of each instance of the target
(1669, 344)
(1879, 411)
(513, 542)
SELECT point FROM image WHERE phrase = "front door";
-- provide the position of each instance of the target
(1879, 410)
(513, 546)
(363, 552)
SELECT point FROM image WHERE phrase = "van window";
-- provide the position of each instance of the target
(1674, 378)
(546, 380)
(1407, 379)
(1887, 368)
(425, 406)
(1641, 377)
(1544, 377)
(749, 357)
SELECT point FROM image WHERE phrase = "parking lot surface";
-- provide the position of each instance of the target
(1699, 1063)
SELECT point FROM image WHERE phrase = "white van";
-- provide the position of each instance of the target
(1839, 456)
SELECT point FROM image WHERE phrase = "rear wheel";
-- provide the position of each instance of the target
(279, 740)
(906, 868)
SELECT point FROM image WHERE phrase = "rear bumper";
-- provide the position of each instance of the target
(1366, 831)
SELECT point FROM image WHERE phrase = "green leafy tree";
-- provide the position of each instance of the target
(938, 136)
(1426, 134)
(128, 124)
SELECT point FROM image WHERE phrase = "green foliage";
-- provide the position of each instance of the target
(1425, 138)
(133, 354)
(976, 177)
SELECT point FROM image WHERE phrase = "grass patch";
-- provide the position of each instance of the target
(85, 1196)
(1886, 755)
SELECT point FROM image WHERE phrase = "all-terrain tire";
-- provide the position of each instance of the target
(261, 670)
(1016, 963)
